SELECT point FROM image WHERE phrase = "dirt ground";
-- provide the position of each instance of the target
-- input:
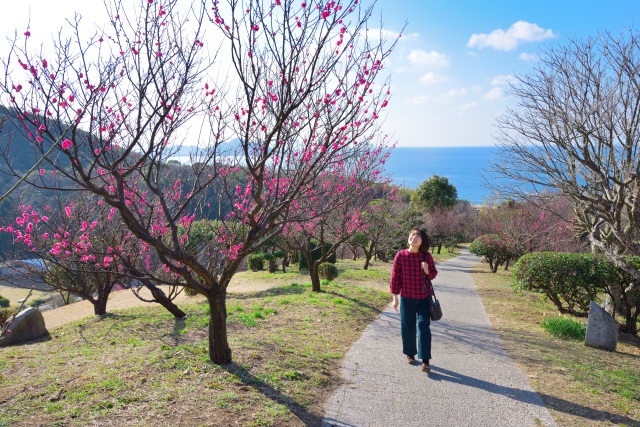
(117, 300)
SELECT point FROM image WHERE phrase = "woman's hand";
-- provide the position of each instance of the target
(424, 266)
(395, 302)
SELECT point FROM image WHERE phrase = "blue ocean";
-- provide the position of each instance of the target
(464, 167)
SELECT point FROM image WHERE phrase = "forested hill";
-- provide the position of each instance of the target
(19, 154)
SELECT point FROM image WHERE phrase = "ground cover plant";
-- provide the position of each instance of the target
(144, 367)
(581, 386)
(564, 327)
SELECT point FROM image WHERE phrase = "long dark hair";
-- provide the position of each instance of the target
(424, 245)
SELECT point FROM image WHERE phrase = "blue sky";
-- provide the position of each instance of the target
(452, 67)
(451, 70)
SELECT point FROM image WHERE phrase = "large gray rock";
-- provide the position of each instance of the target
(602, 330)
(25, 326)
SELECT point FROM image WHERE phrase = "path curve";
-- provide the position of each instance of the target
(473, 382)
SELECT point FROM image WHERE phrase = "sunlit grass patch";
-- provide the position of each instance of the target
(564, 327)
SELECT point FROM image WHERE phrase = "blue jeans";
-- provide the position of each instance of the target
(409, 310)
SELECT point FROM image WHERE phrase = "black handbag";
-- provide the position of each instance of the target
(435, 311)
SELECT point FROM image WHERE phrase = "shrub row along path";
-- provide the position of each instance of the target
(473, 382)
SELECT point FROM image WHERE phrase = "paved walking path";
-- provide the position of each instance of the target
(473, 382)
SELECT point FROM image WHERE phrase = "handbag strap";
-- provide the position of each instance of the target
(426, 278)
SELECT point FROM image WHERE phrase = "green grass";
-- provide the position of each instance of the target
(139, 363)
(564, 327)
(581, 385)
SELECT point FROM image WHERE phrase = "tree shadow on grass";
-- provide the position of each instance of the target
(295, 289)
(292, 289)
(586, 412)
(303, 414)
(531, 397)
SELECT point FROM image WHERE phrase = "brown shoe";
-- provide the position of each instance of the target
(426, 368)
(411, 360)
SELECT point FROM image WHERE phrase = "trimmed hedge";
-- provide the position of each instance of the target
(327, 271)
(4, 302)
(569, 280)
(255, 262)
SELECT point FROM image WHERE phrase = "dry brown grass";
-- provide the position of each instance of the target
(581, 386)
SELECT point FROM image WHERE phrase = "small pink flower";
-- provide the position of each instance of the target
(66, 144)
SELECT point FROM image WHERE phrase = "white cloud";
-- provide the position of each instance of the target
(503, 80)
(444, 97)
(495, 93)
(377, 34)
(433, 58)
(469, 106)
(432, 78)
(418, 100)
(500, 39)
(528, 56)
(454, 93)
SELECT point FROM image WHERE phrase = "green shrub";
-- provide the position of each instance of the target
(564, 327)
(4, 302)
(190, 292)
(37, 302)
(327, 271)
(5, 313)
(255, 262)
(569, 280)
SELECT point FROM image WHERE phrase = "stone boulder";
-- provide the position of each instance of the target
(25, 326)
(602, 330)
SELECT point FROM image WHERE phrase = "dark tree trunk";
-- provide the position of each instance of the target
(219, 350)
(273, 266)
(161, 298)
(315, 277)
(100, 304)
(368, 254)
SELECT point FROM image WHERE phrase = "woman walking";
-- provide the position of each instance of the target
(411, 275)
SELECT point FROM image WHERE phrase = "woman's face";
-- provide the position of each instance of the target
(414, 239)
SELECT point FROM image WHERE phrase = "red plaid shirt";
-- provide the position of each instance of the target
(407, 278)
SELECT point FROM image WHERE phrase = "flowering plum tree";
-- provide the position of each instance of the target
(332, 219)
(85, 258)
(379, 233)
(65, 242)
(306, 108)
(534, 226)
(443, 225)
